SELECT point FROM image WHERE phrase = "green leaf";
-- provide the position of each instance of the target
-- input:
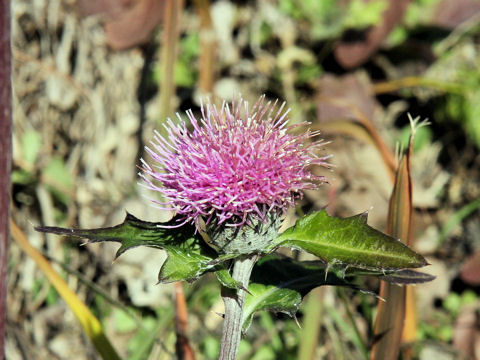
(272, 298)
(123, 322)
(188, 256)
(58, 179)
(22, 176)
(362, 15)
(58, 174)
(31, 145)
(187, 262)
(349, 242)
(279, 284)
(224, 277)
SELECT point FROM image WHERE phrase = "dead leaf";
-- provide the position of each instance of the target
(449, 14)
(465, 332)
(354, 50)
(355, 88)
(128, 22)
(399, 309)
(107, 7)
(470, 272)
(349, 97)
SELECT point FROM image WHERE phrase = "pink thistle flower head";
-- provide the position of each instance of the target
(234, 165)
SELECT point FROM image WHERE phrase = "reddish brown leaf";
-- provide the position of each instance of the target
(183, 348)
(449, 14)
(134, 25)
(355, 88)
(399, 222)
(348, 99)
(470, 272)
(465, 332)
(393, 313)
(388, 325)
(353, 52)
(128, 22)
(409, 334)
(106, 7)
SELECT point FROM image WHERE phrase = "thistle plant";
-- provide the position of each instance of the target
(229, 177)
(236, 172)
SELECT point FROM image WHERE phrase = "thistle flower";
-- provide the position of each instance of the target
(236, 164)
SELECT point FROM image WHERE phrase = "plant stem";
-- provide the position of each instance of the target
(234, 301)
(183, 348)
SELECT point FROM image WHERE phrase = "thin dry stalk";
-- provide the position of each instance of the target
(207, 48)
(183, 347)
(173, 11)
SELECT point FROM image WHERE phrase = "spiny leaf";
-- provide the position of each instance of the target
(399, 277)
(184, 263)
(272, 298)
(131, 233)
(224, 277)
(188, 256)
(350, 242)
(407, 277)
(279, 284)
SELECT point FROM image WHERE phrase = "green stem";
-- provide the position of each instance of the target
(234, 301)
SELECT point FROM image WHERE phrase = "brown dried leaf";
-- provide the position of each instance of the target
(392, 313)
(449, 14)
(349, 97)
(353, 52)
(355, 88)
(134, 25)
(107, 7)
(470, 272)
(129, 22)
(465, 332)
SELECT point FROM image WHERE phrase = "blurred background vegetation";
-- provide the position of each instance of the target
(93, 79)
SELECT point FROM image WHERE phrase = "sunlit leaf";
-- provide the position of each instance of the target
(350, 242)
(57, 174)
(188, 256)
(224, 277)
(31, 145)
(22, 177)
(188, 262)
(58, 179)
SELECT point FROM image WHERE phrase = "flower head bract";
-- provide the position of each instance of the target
(234, 163)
